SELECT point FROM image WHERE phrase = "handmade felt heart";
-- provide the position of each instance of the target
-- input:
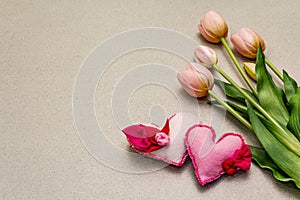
(166, 144)
(229, 154)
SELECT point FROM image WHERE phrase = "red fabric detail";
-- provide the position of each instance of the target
(152, 140)
(154, 146)
(241, 159)
(142, 137)
(138, 136)
(229, 166)
(162, 139)
(166, 128)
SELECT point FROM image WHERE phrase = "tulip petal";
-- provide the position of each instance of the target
(214, 26)
(250, 69)
(196, 80)
(241, 46)
(207, 35)
(205, 56)
(247, 42)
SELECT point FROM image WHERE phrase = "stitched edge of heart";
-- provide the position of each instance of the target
(151, 155)
(157, 157)
(178, 164)
(214, 137)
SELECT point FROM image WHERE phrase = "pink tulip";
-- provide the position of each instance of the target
(196, 80)
(246, 42)
(205, 56)
(212, 27)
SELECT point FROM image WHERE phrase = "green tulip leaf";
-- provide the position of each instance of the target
(261, 157)
(285, 159)
(212, 102)
(283, 134)
(243, 110)
(240, 108)
(232, 92)
(270, 96)
(290, 85)
(294, 121)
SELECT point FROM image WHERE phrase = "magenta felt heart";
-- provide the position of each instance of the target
(212, 159)
(166, 144)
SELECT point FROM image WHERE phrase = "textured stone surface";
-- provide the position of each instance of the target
(42, 46)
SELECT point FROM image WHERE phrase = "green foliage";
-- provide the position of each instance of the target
(270, 96)
(285, 159)
(261, 157)
(276, 122)
(290, 85)
(232, 92)
(294, 121)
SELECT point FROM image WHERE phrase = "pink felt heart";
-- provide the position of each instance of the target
(166, 144)
(211, 159)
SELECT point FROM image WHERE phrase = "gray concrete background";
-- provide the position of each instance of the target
(42, 46)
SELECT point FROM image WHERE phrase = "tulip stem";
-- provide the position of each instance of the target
(238, 66)
(274, 69)
(230, 109)
(249, 98)
(287, 139)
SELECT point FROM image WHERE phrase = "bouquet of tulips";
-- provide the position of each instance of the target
(270, 111)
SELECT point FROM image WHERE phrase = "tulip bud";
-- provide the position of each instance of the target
(212, 27)
(205, 56)
(196, 80)
(250, 69)
(247, 42)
